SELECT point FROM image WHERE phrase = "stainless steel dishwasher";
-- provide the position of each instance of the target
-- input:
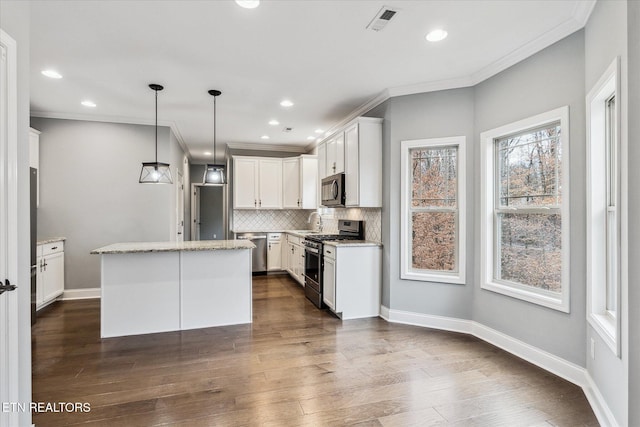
(259, 255)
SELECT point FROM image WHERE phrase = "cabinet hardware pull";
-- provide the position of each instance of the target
(255, 202)
(54, 248)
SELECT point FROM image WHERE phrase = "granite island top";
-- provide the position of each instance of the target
(51, 240)
(201, 245)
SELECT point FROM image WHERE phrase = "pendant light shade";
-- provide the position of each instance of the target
(155, 172)
(214, 173)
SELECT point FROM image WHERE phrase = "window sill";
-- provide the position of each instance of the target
(605, 326)
(454, 278)
(555, 303)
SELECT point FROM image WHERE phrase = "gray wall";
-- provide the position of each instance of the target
(14, 20)
(606, 38)
(430, 115)
(633, 19)
(89, 190)
(212, 213)
(550, 79)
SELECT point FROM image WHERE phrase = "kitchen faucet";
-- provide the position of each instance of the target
(319, 223)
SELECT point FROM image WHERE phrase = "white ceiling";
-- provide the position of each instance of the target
(317, 53)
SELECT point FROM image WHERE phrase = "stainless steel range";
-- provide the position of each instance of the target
(313, 261)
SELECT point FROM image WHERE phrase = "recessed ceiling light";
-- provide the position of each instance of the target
(286, 103)
(88, 103)
(265, 137)
(274, 122)
(311, 138)
(318, 131)
(207, 153)
(248, 4)
(52, 74)
(437, 35)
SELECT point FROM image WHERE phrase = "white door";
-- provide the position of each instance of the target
(195, 212)
(9, 352)
(179, 207)
(351, 170)
(245, 177)
(291, 183)
(270, 183)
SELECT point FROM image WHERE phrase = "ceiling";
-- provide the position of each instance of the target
(317, 53)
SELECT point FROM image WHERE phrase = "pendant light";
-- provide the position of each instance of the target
(155, 172)
(214, 173)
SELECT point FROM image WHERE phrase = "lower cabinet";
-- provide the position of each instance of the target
(50, 273)
(274, 252)
(295, 258)
(352, 280)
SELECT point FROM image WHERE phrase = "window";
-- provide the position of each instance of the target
(606, 216)
(433, 213)
(525, 220)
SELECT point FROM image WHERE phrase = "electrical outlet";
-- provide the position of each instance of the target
(593, 348)
(215, 236)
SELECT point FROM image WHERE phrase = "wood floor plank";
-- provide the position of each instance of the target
(294, 365)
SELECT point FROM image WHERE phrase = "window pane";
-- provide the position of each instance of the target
(530, 250)
(612, 261)
(434, 177)
(434, 240)
(529, 167)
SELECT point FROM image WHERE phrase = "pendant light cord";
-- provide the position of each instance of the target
(156, 128)
(215, 128)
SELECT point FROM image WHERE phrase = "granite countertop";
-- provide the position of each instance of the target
(299, 233)
(51, 240)
(202, 245)
(345, 243)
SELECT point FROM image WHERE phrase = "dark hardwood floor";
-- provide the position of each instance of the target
(294, 366)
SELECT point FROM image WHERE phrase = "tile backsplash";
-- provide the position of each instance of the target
(268, 220)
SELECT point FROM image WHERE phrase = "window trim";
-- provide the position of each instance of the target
(487, 213)
(606, 325)
(406, 271)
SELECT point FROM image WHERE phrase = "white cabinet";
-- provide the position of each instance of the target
(361, 162)
(50, 273)
(274, 252)
(352, 280)
(257, 183)
(34, 158)
(300, 182)
(335, 155)
(295, 258)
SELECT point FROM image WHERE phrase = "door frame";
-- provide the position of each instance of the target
(179, 206)
(10, 366)
(195, 209)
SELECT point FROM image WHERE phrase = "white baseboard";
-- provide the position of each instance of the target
(71, 294)
(547, 361)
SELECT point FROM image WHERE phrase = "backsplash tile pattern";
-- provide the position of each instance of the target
(372, 220)
(267, 220)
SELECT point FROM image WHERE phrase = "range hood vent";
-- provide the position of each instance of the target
(382, 18)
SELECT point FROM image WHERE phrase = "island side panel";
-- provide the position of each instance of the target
(216, 288)
(140, 293)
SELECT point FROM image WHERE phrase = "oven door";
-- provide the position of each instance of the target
(312, 264)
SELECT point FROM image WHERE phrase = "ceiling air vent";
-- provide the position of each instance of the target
(382, 18)
(287, 129)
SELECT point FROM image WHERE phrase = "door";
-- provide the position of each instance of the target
(245, 179)
(291, 183)
(270, 183)
(179, 207)
(329, 283)
(195, 212)
(53, 283)
(10, 387)
(351, 166)
(274, 256)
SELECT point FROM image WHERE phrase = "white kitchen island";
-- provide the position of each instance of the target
(169, 286)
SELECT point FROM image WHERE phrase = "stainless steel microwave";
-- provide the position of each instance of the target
(333, 191)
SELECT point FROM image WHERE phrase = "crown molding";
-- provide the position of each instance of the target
(266, 147)
(117, 119)
(582, 11)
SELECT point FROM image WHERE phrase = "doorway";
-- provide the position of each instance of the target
(209, 212)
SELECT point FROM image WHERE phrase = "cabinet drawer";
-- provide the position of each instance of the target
(329, 251)
(52, 248)
(294, 239)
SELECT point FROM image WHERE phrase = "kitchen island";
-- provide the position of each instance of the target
(153, 287)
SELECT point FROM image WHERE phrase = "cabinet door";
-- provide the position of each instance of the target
(291, 249)
(274, 256)
(291, 184)
(270, 184)
(339, 166)
(322, 162)
(245, 177)
(329, 283)
(39, 281)
(53, 282)
(308, 182)
(300, 257)
(351, 172)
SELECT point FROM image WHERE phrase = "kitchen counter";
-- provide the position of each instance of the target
(150, 287)
(351, 243)
(299, 233)
(202, 245)
(51, 240)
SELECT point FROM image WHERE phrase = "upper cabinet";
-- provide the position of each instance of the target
(300, 182)
(356, 150)
(257, 183)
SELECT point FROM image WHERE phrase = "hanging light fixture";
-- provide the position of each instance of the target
(214, 173)
(155, 172)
